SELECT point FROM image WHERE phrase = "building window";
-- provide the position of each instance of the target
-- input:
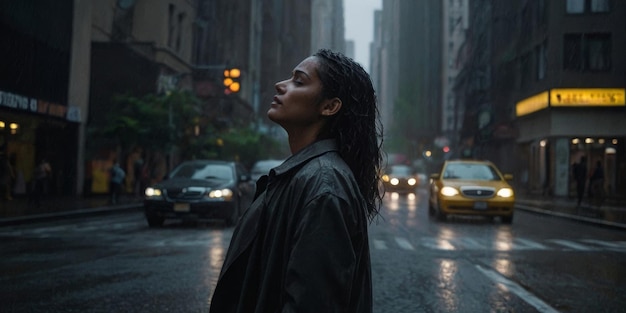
(542, 60)
(587, 52)
(584, 6)
(526, 73)
(171, 26)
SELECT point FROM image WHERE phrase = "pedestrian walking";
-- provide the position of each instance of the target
(302, 246)
(580, 176)
(115, 184)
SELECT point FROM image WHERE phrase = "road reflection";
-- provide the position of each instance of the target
(447, 285)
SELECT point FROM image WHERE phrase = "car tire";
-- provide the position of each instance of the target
(232, 220)
(508, 219)
(154, 220)
(442, 217)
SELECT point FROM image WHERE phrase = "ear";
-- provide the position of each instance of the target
(331, 106)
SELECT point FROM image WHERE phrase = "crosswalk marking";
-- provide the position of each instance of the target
(517, 244)
(570, 244)
(404, 244)
(380, 244)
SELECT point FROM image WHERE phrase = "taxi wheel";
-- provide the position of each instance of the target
(440, 215)
(507, 219)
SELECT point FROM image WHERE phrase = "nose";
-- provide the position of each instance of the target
(280, 86)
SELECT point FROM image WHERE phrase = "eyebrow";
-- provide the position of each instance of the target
(296, 71)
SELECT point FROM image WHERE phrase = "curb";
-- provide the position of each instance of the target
(583, 219)
(69, 214)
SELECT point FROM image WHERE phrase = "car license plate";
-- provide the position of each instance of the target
(480, 205)
(181, 207)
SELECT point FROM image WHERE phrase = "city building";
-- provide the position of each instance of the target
(543, 85)
(408, 74)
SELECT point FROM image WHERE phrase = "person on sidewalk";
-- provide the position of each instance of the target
(7, 175)
(117, 178)
(596, 184)
(580, 176)
(41, 176)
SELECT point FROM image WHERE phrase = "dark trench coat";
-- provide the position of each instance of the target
(302, 246)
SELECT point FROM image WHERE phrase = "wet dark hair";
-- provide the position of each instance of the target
(356, 126)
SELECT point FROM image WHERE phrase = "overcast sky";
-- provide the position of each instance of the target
(359, 20)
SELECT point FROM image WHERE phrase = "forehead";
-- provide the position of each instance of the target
(308, 66)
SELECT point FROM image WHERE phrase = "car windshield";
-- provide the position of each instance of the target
(401, 170)
(204, 171)
(470, 171)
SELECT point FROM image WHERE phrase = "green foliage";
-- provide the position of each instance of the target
(176, 122)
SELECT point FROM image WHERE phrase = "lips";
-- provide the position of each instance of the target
(276, 100)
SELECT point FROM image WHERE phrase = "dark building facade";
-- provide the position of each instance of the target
(37, 119)
(553, 90)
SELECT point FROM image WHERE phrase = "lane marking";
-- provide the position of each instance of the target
(517, 290)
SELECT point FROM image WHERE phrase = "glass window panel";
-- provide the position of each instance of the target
(575, 6)
(599, 5)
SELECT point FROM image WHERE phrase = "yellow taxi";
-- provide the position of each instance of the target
(471, 187)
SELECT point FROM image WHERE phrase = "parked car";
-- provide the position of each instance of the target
(263, 167)
(202, 189)
(400, 178)
(471, 187)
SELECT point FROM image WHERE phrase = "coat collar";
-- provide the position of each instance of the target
(309, 152)
(246, 230)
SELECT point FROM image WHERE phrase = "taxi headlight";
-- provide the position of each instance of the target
(153, 193)
(412, 181)
(449, 191)
(505, 193)
(223, 194)
(394, 181)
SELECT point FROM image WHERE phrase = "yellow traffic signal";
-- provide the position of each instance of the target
(230, 80)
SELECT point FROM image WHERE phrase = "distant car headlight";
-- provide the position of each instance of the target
(386, 178)
(505, 193)
(449, 191)
(223, 194)
(394, 181)
(153, 193)
(412, 181)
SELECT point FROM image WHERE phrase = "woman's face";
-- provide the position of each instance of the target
(297, 103)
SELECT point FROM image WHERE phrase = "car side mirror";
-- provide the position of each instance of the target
(508, 177)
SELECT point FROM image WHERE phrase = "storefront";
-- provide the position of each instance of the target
(31, 130)
(559, 126)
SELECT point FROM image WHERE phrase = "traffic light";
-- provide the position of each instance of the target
(231, 80)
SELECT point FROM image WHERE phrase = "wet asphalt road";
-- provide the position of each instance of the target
(115, 263)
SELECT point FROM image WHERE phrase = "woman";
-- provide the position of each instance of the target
(302, 246)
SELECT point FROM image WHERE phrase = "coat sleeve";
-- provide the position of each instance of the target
(322, 262)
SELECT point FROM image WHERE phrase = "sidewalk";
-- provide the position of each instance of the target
(19, 210)
(611, 214)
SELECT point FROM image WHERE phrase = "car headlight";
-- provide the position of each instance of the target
(394, 181)
(412, 181)
(153, 193)
(224, 194)
(505, 193)
(385, 178)
(449, 191)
